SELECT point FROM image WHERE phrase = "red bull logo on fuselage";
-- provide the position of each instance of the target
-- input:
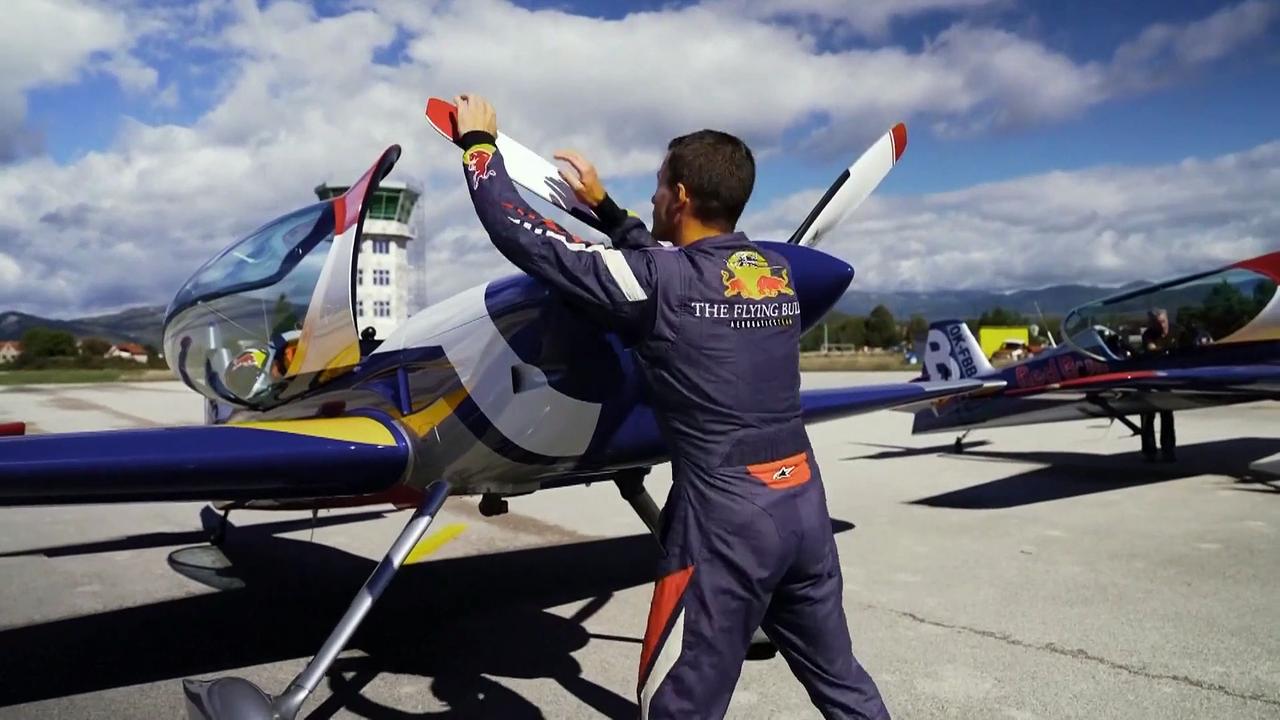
(1056, 369)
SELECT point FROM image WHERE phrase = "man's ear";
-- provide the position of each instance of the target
(682, 197)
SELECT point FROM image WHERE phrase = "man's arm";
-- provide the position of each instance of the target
(622, 284)
(624, 228)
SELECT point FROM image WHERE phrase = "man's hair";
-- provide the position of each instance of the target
(718, 172)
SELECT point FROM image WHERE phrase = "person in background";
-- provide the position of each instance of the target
(1157, 339)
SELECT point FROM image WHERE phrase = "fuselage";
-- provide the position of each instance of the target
(506, 388)
(1040, 388)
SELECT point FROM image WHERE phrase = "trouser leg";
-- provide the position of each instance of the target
(1168, 438)
(806, 619)
(706, 605)
(1148, 434)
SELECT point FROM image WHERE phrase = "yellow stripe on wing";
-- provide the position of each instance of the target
(349, 429)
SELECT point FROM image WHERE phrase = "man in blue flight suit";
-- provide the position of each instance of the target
(715, 323)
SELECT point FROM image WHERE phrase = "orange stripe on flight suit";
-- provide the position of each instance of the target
(666, 594)
(782, 474)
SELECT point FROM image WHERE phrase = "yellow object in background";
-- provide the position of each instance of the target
(992, 338)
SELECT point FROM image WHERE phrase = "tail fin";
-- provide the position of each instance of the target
(952, 353)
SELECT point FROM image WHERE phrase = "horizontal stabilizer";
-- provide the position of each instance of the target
(260, 460)
(1268, 466)
(821, 405)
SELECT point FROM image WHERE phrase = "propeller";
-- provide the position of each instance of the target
(852, 187)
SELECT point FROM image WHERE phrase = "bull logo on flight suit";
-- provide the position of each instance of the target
(751, 277)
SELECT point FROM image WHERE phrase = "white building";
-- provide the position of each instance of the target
(383, 272)
(128, 351)
(9, 351)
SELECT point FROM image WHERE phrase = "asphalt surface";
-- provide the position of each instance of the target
(1045, 573)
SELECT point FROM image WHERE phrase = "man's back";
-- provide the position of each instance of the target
(722, 355)
(745, 532)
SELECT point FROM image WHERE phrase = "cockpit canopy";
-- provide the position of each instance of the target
(233, 329)
(1232, 304)
(273, 314)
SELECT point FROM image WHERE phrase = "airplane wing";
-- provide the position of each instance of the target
(1254, 379)
(258, 460)
(835, 403)
(1106, 395)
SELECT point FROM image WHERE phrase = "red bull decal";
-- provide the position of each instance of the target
(751, 277)
(249, 358)
(1055, 370)
(477, 160)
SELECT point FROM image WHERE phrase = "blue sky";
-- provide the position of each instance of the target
(1226, 107)
(1000, 96)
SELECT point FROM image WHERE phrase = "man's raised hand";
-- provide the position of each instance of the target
(475, 113)
(584, 181)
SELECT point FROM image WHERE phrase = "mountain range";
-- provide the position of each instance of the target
(144, 324)
(966, 304)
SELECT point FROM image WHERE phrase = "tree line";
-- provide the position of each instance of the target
(44, 348)
(881, 330)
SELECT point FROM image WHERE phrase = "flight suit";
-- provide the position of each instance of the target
(745, 531)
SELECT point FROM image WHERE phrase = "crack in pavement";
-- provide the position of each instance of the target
(1079, 654)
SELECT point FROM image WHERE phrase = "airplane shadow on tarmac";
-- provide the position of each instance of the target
(456, 621)
(1072, 474)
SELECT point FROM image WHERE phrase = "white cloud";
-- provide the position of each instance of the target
(1163, 52)
(302, 99)
(868, 17)
(46, 43)
(10, 272)
(1105, 225)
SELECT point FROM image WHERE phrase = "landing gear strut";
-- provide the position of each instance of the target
(958, 448)
(233, 698)
(217, 529)
(1147, 431)
(631, 486)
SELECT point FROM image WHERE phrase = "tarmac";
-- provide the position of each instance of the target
(1046, 572)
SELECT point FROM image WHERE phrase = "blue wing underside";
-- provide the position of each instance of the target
(238, 463)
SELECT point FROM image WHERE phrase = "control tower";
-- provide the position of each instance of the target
(383, 274)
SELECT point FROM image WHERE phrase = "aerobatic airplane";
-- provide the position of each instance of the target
(1203, 340)
(500, 390)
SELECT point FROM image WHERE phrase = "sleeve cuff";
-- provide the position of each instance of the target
(471, 138)
(611, 216)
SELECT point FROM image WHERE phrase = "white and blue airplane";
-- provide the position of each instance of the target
(500, 390)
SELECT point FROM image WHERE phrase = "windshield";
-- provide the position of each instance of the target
(234, 328)
(1181, 314)
(266, 254)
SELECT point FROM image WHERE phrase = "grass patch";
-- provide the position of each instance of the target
(80, 375)
(812, 362)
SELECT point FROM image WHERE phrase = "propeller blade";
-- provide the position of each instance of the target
(527, 168)
(852, 187)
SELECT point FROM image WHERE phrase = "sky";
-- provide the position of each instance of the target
(1049, 142)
